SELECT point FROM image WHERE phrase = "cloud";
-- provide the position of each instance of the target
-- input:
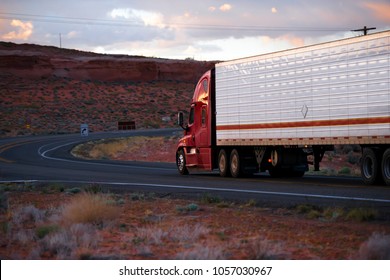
(294, 41)
(225, 7)
(274, 10)
(145, 17)
(25, 30)
(380, 10)
(72, 34)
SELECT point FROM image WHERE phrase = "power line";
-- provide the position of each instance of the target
(135, 23)
(364, 30)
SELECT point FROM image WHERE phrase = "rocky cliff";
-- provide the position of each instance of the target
(51, 90)
(33, 61)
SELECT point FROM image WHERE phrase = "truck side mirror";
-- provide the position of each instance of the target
(180, 119)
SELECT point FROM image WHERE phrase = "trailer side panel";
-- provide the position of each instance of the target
(331, 93)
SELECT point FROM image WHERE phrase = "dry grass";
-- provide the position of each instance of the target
(90, 208)
(69, 243)
(28, 214)
(109, 148)
(202, 253)
(180, 234)
(74, 226)
(138, 148)
(264, 249)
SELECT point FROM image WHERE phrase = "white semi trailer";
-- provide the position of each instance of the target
(270, 112)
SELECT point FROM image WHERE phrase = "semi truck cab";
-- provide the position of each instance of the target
(195, 147)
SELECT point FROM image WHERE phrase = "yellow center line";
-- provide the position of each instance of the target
(11, 145)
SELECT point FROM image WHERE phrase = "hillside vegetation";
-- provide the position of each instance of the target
(46, 90)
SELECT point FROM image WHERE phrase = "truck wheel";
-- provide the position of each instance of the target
(235, 164)
(181, 162)
(370, 167)
(223, 164)
(386, 167)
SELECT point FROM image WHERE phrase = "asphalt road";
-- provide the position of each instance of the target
(47, 159)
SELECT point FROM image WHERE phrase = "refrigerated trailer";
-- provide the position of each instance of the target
(280, 112)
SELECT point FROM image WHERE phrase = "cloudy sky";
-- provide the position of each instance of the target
(201, 29)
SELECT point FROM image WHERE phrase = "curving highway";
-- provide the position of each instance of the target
(46, 159)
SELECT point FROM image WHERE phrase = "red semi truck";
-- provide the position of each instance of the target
(282, 111)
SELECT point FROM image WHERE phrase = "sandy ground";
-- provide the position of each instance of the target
(146, 226)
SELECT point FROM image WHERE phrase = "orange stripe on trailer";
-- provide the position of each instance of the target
(359, 121)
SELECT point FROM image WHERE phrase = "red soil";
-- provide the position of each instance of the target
(162, 228)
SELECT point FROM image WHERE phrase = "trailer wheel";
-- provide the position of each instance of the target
(223, 164)
(181, 162)
(386, 167)
(235, 164)
(370, 167)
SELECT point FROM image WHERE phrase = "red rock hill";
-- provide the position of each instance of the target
(33, 61)
(52, 90)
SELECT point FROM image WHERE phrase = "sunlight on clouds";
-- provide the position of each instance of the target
(294, 41)
(234, 48)
(148, 18)
(25, 29)
(72, 34)
(274, 10)
(225, 7)
(192, 52)
(381, 10)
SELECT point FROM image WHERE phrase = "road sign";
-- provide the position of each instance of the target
(84, 130)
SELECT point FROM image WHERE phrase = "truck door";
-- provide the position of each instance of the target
(191, 127)
(202, 134)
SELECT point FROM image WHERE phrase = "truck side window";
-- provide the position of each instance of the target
(191, 117)
(206, 85)
(204, 114)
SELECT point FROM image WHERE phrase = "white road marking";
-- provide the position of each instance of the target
(334, 197)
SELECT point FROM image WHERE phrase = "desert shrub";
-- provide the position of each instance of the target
(333, 213)
(3, 202)
(44, 230)
(28, 214)
(67, 242)
(264, 249)
(94, 188)
(353, 158)
(346, 149)
(188, 208)
(156, 235)
(345, 171)
(377, 247)
(202, 253)
(208, 198)
(188, 233)
(362, 214)
(307, 208)
(73, 190)
(150, 235)
(90, 208)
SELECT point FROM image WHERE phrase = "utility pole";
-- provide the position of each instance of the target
(60, 41)
(364, 29)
